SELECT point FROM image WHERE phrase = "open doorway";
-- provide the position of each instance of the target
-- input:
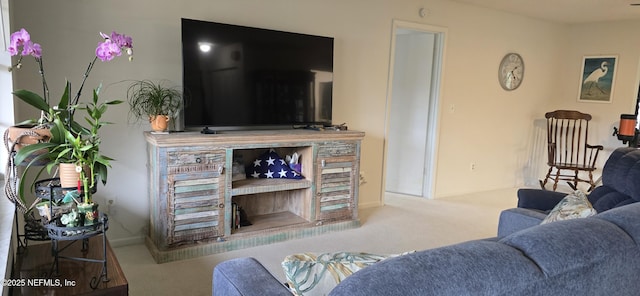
(412, 108)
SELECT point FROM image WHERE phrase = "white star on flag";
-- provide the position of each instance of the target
(255, 174)
(283, 173)
(271, 161)
(269, 174)
(256, 163)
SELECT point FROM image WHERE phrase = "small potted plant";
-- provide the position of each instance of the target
(155, 102)
(82, 147)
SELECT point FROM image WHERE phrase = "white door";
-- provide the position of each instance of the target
(416, 63)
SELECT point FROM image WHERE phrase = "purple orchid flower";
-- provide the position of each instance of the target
(113, 46)
(107, 50)
(122, 40)
(22, 38)
(33, 49)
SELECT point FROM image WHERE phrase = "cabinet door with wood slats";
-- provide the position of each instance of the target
(196, 205)
(335, 188)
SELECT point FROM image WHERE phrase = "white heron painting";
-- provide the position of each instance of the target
(598, 78)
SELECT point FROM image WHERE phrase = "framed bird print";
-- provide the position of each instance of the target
(597, 79)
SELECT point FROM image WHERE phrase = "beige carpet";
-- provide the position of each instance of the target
(404, 223)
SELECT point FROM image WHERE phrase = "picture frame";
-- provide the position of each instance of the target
(597, 78)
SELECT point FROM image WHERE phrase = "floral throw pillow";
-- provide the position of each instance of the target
(310, 274)
(572, 206)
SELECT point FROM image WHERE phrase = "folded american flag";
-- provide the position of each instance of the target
(271, 166)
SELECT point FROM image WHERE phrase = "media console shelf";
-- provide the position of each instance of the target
(191, 190)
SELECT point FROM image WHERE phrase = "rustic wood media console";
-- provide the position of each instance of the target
(191, 190)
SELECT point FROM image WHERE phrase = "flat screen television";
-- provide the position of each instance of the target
(238, 76)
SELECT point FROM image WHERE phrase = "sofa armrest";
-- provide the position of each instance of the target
(539, 199)
(245, 277)
(516, 219)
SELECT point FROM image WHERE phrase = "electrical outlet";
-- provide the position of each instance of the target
(362, 179)
(109, 204)
(472, 167)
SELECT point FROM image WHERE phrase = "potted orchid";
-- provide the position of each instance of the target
(69, 141)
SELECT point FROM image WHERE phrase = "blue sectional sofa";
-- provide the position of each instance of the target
(599, 255)
(620, 186)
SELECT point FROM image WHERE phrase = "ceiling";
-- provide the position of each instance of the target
(566, 11)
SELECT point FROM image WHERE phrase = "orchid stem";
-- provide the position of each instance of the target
(45, 88)
(84, 78)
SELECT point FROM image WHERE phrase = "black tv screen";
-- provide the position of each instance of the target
(237, 76)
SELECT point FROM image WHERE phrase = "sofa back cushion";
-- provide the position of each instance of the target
(627, 218)
(471, 268)
(604, 198)
(559, 247)
(621, 172)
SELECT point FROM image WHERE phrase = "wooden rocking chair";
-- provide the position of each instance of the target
(567, 149)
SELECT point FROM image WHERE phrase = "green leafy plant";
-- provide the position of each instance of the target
(58, 121)
(70, 142)
(82, 147)
(147, 98)
(74, 144)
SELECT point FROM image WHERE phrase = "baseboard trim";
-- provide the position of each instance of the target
(127, 241)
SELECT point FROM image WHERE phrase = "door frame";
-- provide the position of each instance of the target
(435, 95)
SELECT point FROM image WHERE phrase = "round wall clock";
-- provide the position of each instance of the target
(511, 71)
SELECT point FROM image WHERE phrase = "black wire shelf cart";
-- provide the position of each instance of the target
(50, 227)
(79, 234)
(34, 227)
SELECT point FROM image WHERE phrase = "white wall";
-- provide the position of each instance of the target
(489, 126)
(480, 122)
